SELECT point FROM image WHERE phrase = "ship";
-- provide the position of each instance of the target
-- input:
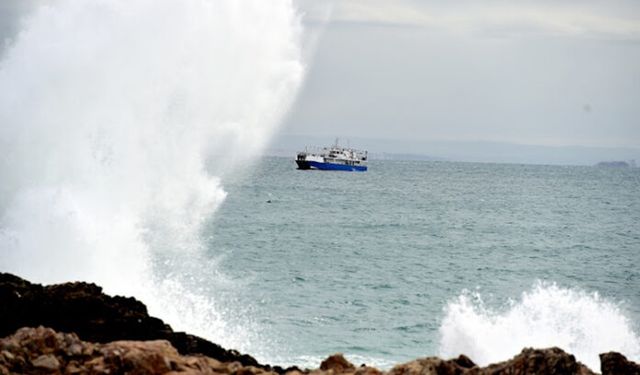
(334, 158)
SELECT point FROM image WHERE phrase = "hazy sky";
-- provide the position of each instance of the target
(542, 72)
(532, 72)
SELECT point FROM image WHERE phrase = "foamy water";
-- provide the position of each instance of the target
(579, 322)
(109, 111)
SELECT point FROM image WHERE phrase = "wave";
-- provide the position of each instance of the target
(110, 111)
(581, 323)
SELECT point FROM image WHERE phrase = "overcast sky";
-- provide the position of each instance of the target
(531, 72)
(541, 72)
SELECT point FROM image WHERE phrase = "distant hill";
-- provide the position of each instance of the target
(616, 164)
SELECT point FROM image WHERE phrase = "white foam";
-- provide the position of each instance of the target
(581, 323)
(108, 111)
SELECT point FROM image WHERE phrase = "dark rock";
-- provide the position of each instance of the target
(109, 325)
(432, 366)
(464, 361)
(42, 350)
(47, 353)
(613, 363)
(366, 370)
(552, 361)
(337, 363)
(84, 309)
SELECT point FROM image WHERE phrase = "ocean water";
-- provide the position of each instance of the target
(110, 173)
(417, 258)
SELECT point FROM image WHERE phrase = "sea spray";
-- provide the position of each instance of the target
(108, 111)
(581, 323)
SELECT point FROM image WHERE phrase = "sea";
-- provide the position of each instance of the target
(420, 258)
(130, 157)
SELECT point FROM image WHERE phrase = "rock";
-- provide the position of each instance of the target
(7, 355)
(553, 361)
(337, 363)
(127, 340)
(117, 357)
(47, 351)
(94, 316)
(366, 370)
(464, 361)
(46, 362)
(148, 357)
(74, 350)
(550, 361)
(613, 363)
(73, 368)
(429, 366)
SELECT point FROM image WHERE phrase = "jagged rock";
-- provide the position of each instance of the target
(366, 370)
(94, 316)
(113, 323)
(46, 362)
(42, 350)
(337, 363)
(464, 361)
(613, 363)
(47, 351)
(552, 361)
(434, 366)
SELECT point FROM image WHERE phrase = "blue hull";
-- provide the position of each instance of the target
(336, 167)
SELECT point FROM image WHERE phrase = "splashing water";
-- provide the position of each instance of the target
(580, 323)
(108, 111)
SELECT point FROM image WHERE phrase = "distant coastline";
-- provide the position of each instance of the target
(617, 164)
(464, 151)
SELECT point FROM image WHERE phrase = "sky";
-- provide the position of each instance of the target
(549, 73)
(527, 72)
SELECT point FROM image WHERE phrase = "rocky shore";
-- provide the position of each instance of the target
(74, 328)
